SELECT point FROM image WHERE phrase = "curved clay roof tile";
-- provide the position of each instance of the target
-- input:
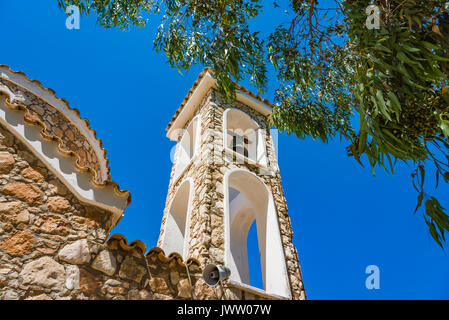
(119, 241)
(59, 122)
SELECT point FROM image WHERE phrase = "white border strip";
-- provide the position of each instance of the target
(72, 115)
(206, 83)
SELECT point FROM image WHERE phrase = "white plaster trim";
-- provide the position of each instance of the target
(263, 162)
(270, 221)
(187, 222)
(196, 147)
(254, 290)
(186, 168)
(255, 104)
(194, 101)
(188, 219)
(60, 105)
(192, 104)
(230, 152)
(62, 166)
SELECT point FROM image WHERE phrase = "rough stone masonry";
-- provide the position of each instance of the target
(207, 169)
(54, 247)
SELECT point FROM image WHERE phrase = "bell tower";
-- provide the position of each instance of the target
(225, 176)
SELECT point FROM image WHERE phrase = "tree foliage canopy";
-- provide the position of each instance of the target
(384, 90)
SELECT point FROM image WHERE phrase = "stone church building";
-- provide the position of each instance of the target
(58, 203)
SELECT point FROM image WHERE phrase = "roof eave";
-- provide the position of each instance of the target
(206, 82)
(195, 96)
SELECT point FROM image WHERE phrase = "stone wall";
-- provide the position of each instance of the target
(57, 125)
(54, 247)
(207, 169)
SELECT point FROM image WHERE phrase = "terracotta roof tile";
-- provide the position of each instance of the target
(119, 241)
(31, 118)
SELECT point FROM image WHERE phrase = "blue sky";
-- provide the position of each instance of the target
(344, 219)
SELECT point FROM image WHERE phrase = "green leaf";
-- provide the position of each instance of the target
(383, 107)
(444, 126)
(420, 199)
(395, 104)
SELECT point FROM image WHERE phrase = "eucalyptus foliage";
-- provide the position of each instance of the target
(385, 90)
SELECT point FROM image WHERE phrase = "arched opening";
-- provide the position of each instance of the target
(254, 259)
(243, 136)
(187, 146)
(176, 224)
(247, 199)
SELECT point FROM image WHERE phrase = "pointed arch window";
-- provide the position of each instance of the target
(247, 199)
(243, 136)
(176, 231)
(188, 146)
